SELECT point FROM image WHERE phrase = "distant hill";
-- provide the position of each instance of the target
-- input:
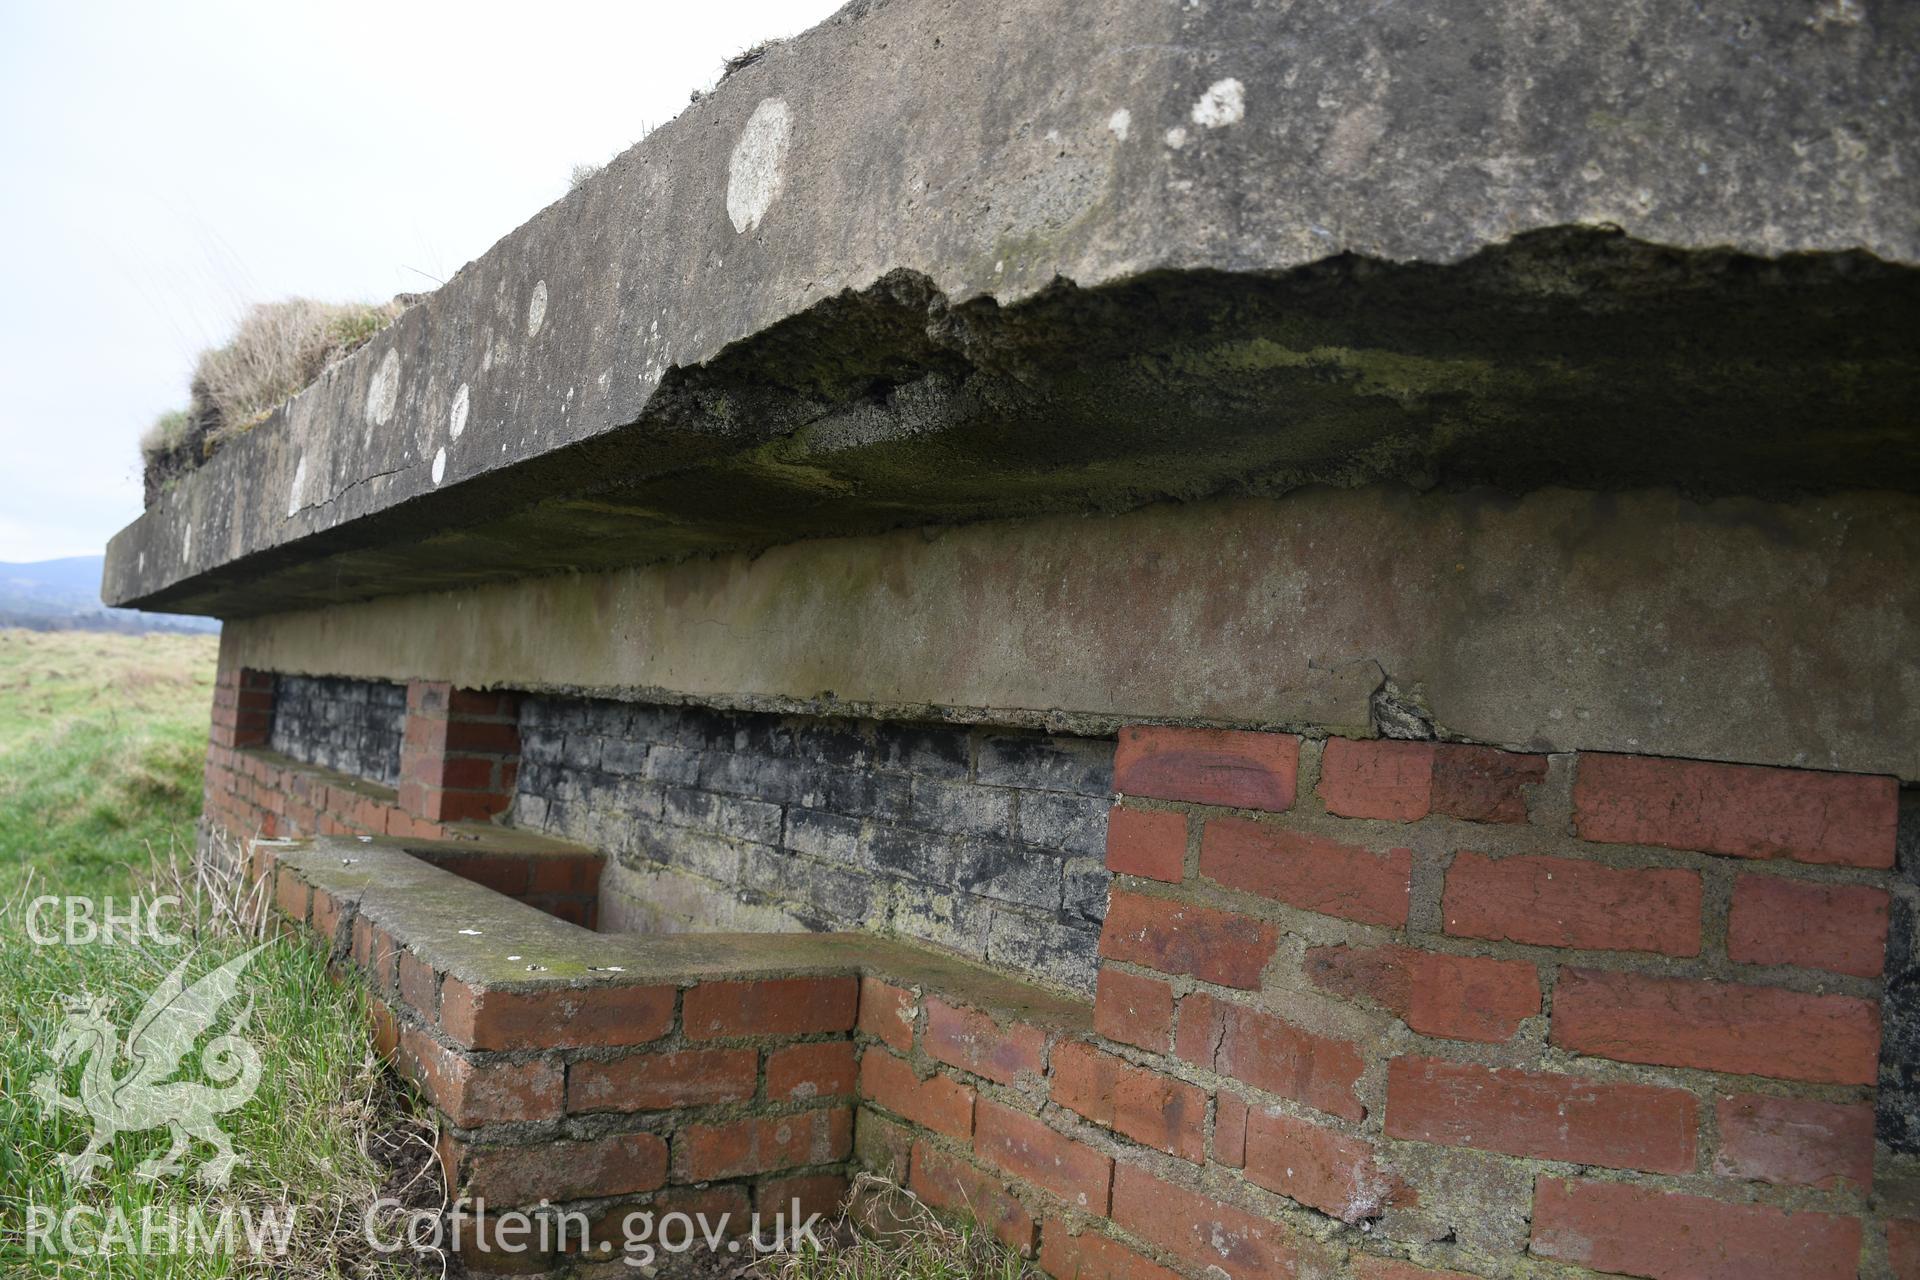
(64, 595)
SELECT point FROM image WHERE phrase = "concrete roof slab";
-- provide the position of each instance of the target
(936, 261)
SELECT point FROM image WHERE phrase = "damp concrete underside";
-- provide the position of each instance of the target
(1163, 253)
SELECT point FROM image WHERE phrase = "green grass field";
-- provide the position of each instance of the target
(101, 746)
(101, 740)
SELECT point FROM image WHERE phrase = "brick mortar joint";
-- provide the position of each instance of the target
(1704, 966)
(1634, 1177)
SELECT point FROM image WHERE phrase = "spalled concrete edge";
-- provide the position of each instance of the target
(1130, 139)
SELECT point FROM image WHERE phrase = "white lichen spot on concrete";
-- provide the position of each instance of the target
(299, 482)
(1224, 103)
(1176, 137)
(186, 543)
(439, 466)
(1845, 13)
(758, 165)
(1119, 123)
(383, 393)
(457, 421)
(537, 309)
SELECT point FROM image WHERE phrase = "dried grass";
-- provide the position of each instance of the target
(217, 898)
(279, 348)
(888, 1233)
(396, 1140)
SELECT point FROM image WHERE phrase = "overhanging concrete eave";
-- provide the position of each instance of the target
(1171, 253)
(1712, 372)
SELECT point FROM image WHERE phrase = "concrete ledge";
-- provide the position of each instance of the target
(1649, 622)
(616, 1074)
(467, 930)
(565, 1082)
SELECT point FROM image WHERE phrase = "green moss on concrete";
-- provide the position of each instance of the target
(1575, 357)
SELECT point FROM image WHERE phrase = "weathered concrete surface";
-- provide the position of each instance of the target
(1737, 629)
(666, 360)
(487, 938)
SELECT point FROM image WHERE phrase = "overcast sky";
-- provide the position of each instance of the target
(163, 166)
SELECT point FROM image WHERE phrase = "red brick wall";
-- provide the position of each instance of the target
(1370, 1009)
(1635, 999)
(1488, 1008)
(242, 708)
(459, 761)
(716, 1096)
(460, 753)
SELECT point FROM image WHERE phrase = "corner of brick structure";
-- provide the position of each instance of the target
(1364, 1007)
(242, 707)
(460, 753)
